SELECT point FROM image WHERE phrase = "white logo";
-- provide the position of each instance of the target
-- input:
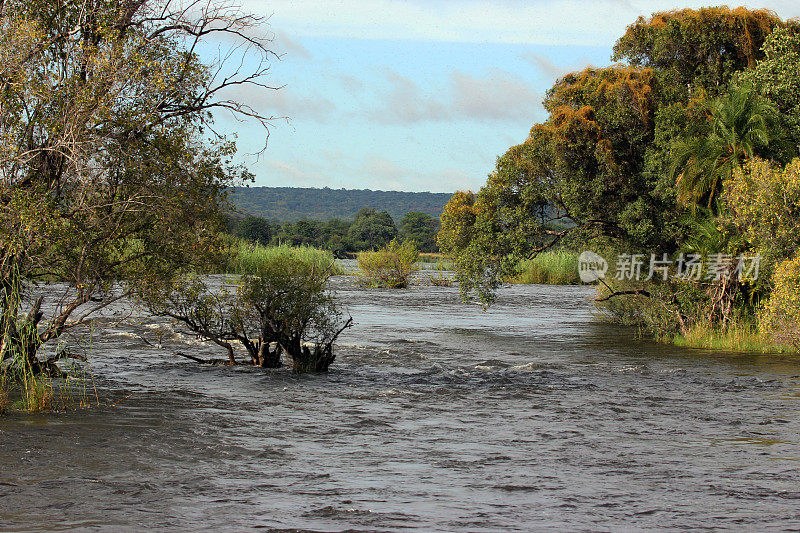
(591, 267)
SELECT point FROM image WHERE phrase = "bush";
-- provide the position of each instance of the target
(390, 267)
(780, 315)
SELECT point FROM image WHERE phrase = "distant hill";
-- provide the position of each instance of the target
(290, 203)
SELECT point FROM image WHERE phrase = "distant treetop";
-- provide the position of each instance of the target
(291, 203)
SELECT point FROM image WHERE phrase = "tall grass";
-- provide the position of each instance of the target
(249, 257)
(738, 336)
(37, 386)
(558, 267)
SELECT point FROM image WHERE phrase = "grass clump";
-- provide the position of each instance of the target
(737, 336)
(390, 267)
(558, 267)
(250, 258)
(23, 389)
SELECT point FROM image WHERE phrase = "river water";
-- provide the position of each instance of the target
(436, 415)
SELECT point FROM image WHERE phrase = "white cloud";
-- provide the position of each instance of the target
(406, 103)
(282, 102)
(283, 174)
(550, 22)
(551, 69)
(291, 47)
(500, 95)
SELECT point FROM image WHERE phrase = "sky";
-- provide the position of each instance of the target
(418, 95)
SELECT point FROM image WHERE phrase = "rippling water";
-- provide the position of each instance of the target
(436, 416)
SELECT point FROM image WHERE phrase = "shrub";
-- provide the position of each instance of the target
(248, 258)
(780, 315)
(390, 267)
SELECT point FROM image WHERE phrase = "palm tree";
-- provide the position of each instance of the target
(742, 123)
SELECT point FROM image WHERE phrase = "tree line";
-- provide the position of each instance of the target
(370, 230)
(295, 203)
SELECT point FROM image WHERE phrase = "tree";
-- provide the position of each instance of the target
(283, 306)
(254, 229)
(106, 175)
(777, 76)
(371, 229)
(741, 126)
(695, 51)
(581, 171)
(420, 227)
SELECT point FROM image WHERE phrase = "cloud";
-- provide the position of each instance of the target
(292, 47)
(282, 102)
(406, 103)
(284, 174)
(352, 84)
(500, 95)
(550, 69)
(549, 22)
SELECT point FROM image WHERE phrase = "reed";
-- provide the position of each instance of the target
(558, 267)
(737, 336)
(248, 258)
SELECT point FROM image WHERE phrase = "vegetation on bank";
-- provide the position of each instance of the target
(116, 179)
(686, 148)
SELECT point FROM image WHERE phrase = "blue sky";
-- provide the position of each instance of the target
(418, 95)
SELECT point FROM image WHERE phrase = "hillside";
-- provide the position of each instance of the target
(290, 203)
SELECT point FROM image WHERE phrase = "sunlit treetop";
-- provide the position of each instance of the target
(697, 48)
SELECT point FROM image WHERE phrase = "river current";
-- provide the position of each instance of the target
(436, 415)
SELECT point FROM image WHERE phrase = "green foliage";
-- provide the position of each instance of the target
(601, 170)
(551, 268)
(249, 258)
(108, 175)
(390, 267)
(777, 76)
(371, 230)
(780, 316)
(253, 229)
(280, 304)
(420, 228)
(696, 50)
(741, 126)
(763, 205)
(294, 203)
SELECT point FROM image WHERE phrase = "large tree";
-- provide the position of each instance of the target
(598, 167)
(109, 168)
(696, 50)
(579, 171)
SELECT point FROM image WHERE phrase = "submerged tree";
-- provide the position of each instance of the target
(105, 174)
(284, 306)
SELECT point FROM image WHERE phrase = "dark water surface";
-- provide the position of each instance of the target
(436, 415)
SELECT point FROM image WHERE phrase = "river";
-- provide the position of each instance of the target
(436, 415)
